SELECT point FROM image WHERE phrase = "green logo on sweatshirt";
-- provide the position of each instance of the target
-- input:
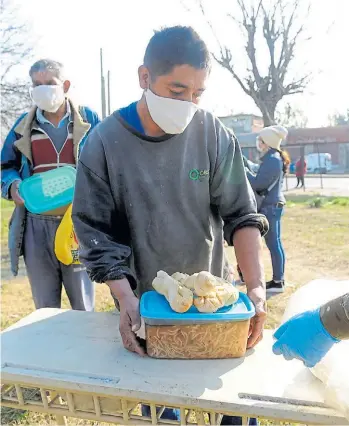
(196, 174)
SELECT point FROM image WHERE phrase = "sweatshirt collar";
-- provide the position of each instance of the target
(42, 119)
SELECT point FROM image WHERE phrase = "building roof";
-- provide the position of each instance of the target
(303, 136)
(241, 115)
(247, 139)
(318, 135)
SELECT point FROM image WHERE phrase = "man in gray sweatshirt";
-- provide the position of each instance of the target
(161, 183)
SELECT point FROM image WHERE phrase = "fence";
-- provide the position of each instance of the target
(340, 163)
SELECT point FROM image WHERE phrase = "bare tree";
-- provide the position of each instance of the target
(15, 49)
(291, 117)
(276, 22)
(339, 119)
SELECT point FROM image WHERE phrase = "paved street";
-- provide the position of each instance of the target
(337, 185)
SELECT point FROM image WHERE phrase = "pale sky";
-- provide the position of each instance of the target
(72, 31)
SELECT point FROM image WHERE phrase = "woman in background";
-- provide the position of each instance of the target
(267, 184)
(301, 169)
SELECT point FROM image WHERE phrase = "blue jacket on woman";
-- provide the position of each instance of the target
(270, 170)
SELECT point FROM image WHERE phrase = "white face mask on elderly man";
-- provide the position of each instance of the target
(171, 115)
(48, 97)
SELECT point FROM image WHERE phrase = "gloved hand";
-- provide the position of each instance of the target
(304, 337)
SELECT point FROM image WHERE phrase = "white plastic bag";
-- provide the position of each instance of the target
(333, 369)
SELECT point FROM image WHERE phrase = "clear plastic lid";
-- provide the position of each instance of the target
(155, 309)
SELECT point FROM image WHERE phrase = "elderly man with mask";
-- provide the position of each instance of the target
(50, 135)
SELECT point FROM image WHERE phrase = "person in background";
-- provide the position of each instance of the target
(50, 135)
(156, 182)
(301, 169)
(310, 335)
(268, 183)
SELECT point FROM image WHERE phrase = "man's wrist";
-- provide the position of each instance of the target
(15, 181)
(257, 294)
(14, 184)
(257, 284)
(121, 288)
(334, 316)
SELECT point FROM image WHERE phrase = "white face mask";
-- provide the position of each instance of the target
(171, 115)
(48, 98)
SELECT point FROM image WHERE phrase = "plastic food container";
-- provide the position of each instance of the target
(48, 191)
(195, 335)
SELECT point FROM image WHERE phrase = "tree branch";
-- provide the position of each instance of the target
(289, 44)
(225, 59)
(15, 49)
(276, 20)
(297, 86)
(249, 24)
(225, 62)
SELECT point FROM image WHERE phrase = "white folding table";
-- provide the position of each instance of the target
(71, 363)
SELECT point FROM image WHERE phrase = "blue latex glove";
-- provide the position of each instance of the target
(303, 337)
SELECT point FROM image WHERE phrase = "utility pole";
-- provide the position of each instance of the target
(320, 168)
(102, 87)
(108, 90)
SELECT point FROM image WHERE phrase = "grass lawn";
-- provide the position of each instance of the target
(6, 211)
(316, 244)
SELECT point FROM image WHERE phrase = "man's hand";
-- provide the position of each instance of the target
(130, 320)
(15, 193)
(248, 249)
(257, 295)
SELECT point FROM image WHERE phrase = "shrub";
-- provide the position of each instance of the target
(317, 202)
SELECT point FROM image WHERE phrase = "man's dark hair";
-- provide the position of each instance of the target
(175, 46)
(42, 65)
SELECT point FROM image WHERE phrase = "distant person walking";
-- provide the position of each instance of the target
(301, 170)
